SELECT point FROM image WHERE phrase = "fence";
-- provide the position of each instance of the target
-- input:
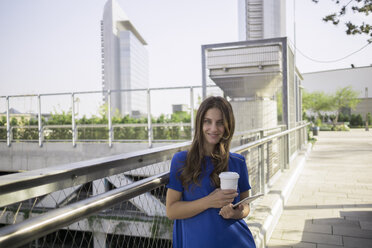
(116, 201)
(106, 132)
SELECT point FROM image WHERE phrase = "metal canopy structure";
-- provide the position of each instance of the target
(261, 80)
(250, 69)
(246, 71)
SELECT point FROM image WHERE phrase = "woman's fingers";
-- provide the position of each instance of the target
(227, 212)
(220, 198)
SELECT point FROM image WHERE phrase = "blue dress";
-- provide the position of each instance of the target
(209, 229)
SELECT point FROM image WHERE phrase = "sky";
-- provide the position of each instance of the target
(54, 45)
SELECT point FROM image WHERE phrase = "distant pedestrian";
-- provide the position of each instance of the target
(203, 214)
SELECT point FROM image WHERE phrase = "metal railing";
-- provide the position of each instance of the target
(101, 219)
(41, 133)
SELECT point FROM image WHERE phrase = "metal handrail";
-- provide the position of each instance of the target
(15, 187)
(30, 229)
(22, 233)
(22, 186)
(266, 139)
(104, 92)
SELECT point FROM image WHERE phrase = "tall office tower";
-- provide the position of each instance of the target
(261, 19)
(124, 61)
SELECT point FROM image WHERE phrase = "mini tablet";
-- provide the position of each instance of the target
(247, 200)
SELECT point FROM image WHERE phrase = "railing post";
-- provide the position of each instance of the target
(73, 124)
(40, 128)
(204, 74)
(262, 168)
(149, 124)
(109, 117)
(283, 151)
(262, 165)
(287, 152)
(192, 112)
(8, 129)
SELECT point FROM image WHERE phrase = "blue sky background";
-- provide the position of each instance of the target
(54, 45)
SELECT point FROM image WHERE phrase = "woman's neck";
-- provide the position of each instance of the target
(208, 150)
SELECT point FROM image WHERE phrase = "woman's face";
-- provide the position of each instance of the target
(213, 129)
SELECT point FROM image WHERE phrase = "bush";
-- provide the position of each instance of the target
(340, 128)
(356, 120)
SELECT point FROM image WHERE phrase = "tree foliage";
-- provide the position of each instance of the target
(363, 7)
(345, 98)
(317, 102)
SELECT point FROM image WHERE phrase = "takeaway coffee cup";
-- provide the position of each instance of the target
(229, 180)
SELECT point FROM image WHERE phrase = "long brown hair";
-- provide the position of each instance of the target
(220, 156)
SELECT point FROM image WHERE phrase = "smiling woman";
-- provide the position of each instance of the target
(213, 129)
(203, 213)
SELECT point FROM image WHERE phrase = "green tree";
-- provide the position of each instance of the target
(345, 98)
(317, 102)
(363, 7)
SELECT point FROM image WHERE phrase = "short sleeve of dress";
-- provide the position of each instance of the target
(178, 161)
(243, 172)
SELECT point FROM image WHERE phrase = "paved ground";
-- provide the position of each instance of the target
(331, 203)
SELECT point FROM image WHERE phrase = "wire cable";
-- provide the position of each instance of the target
(329, 61)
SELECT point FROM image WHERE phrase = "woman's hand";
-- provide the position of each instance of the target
(220, 198)
(228, 212)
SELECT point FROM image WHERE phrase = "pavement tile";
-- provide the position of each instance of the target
(367, 225)
(337, 221)
(292, 235)
(328, 246)
(332, 194)
(304, 245)
(307, 227)
(299, 236)
(278, 243)
(314, 228)
(357, 242)
(322, 238)
(352, 232)
(335, 198)
(358, 213)
(320, 213)
(277, 234)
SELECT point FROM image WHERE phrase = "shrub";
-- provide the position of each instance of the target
(356, 120)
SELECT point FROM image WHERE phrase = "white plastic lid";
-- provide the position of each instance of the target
(229, 175)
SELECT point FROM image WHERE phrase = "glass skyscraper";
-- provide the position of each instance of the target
(124, 61)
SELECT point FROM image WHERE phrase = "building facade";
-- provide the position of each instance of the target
(256, 73)
(261, 19)
(124, 62)
(359, 78)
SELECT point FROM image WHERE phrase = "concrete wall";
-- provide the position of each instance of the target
(29, 156)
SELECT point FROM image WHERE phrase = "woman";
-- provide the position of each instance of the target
(202, 213)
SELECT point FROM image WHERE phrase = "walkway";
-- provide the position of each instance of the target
(331, 203)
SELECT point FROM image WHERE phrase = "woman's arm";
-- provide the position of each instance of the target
(177, 209)
(240, 212)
